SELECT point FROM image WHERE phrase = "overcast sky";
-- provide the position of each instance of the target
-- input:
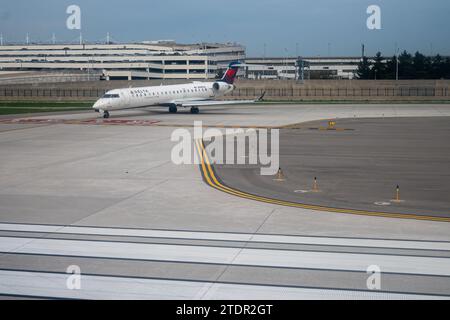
(315, 27)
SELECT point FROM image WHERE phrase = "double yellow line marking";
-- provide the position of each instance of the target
(211, 179)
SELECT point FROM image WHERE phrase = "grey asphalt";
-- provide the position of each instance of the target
(165, 234)
(359, 168)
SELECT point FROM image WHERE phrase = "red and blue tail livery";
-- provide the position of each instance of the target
(231, 72)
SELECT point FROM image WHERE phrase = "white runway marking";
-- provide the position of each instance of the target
(233, 256)
(330, 241)
(104, 287)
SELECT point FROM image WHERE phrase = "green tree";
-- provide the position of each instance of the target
(446, 69)
(391, 68)
(364, 69)
(422, 66)
(406, 66)
(437, 67)
(379, 67)
(409, 67)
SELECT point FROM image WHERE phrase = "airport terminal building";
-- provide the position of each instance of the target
(162, 59)
(126, 61)
(297, 68)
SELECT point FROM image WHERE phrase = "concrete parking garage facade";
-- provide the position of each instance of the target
(128, 61)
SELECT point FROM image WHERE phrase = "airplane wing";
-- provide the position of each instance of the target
(202, 103)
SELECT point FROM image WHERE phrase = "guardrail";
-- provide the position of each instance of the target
(51, 93)
(342, 92)
(284, 93)
(49, 79)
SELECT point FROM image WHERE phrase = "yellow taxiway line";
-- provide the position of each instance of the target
(211, 179)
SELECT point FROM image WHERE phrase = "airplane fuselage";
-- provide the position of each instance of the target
(161, 95)
(190, 95)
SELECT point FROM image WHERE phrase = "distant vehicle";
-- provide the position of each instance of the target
(193, 95)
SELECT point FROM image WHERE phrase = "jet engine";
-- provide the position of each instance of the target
(222, 87)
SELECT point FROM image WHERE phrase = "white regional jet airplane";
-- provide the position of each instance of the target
(193, 95)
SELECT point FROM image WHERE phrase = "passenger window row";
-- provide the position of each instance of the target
(147, 93)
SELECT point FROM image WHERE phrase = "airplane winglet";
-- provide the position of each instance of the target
(262, 97)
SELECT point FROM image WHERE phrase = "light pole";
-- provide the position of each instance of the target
(264, 62)
(396, 61)
(286, 63)
(396, 66)
(88, 69)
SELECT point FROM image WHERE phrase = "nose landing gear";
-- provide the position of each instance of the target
(103, 113)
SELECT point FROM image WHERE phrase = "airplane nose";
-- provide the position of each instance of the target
(97, 104)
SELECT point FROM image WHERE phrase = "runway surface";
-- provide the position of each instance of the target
(107, 198)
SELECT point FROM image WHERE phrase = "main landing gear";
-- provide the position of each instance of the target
(174, 109)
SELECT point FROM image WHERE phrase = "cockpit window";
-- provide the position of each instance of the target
(107, 96)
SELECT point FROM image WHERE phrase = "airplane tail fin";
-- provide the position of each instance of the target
(231, 72)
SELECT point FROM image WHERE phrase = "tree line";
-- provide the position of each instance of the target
(418, 66)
